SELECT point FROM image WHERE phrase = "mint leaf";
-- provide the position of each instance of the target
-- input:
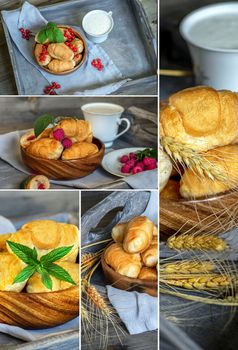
(55, 255)
(41, 36)
(58, 36)
(58, 272)
(26, 273)
(26, 254)
(46, 280)
(147, 152)
(51, 25)
(42, 122)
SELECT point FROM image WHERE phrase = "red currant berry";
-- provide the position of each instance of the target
(58, 86)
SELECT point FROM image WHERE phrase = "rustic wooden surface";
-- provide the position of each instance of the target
(20, 113)
(7, 81)
(142, 341)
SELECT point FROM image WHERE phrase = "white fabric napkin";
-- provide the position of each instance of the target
(10, 153)
(138, 311)
(6, 226)
(84, 81)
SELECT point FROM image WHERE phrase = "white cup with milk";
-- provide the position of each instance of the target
(105, 119)
(211, 33)
(97, 25)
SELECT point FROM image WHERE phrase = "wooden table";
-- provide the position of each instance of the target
(142, 341)
(19, 114)
(7, 81)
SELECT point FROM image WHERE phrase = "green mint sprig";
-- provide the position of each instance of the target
(42, 122)
(52, 33)
(148, 152)
(45, 266)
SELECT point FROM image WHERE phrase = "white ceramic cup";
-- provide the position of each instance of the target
(217, 68)
(92, 15)
(105, 119)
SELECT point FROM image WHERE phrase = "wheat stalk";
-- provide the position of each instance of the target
(186, 267)
(202, 282)
(193, 242)
(187, 156)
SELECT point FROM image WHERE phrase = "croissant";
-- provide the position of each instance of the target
(201, 118)
(138, 235)
(42, 61)
(78, 43)
(148, 273)
(3, 239)
(225, 161)
(69, 237)
(37, 182)
(61, 52)
(155, 230)
(75, 129)
(10, 267)
(171, 190)
(35, 285)
(27, 138)
(78, 58)
(79, 150)
(58, 66)
(118, 232)
(125, 264)
(46, 148)
(150, 255)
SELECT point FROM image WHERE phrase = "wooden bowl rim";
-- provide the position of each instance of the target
(136, 281)
(67, 290)
(101, 150)
(85, 53)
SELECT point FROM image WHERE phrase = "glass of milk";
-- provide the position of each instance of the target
(97, 25)
(211, 33)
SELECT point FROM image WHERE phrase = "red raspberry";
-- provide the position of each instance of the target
(67, 143)
(41, 187)
(59, 134)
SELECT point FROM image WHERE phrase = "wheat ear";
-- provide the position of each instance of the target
(202, 282)
(194, 242)
(187, 156)
(187, 267)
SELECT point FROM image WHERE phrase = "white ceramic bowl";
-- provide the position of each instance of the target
(212, 66)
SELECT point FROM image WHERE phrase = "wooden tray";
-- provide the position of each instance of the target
(39, 310)
(206, 214)
(126, 283)
(131, 40)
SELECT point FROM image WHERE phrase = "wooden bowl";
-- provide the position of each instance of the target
(65, 169)
(126, 283)
(39, 310)
(200, 214)
(84, 53)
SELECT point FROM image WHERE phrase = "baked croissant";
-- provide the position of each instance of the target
(78, 43)
(29, 137)
(38, 51)
(58, 66)
(201, 117)
(46, 148)
(138, 234)
(118, 232)
(225, 160)
(148, 273)
(150, 255)
(75, 129)
(79, 150)
(125, 264)
(78, 58)
(35, 285)
(3, 239)
(61, 52)
(10, 267)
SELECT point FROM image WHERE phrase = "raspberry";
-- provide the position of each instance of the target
(30, 138)
(137, 169)
(59, 134)
(41, 187)
(67, 143)
(124, 159)
(148, 161)
(125, 169)
(151, 166)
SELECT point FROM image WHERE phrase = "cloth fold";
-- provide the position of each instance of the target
(10, 152)
(138, 311)
(93, 82)
(18, 332)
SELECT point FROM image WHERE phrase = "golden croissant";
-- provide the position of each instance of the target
(60, 51)
(148, 273)
(201, 117)
(75, 129)
(125, 264)
(138, 235)
(46, 148)
(58, 66)
(79, 150)
(10, 267)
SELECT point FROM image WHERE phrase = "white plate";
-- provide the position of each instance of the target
(111, 161)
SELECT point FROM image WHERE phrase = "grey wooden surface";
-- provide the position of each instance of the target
(7, 81)
(143, 341)
(21, 205)
(18, 113)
